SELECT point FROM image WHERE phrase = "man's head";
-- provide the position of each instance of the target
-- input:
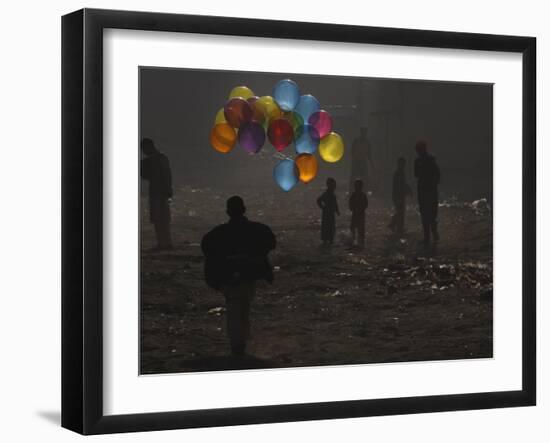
(148, 147)
(358, 185)
(235, 206)
(401, 163)
(331, 183)
(421, 148)
(364, 131)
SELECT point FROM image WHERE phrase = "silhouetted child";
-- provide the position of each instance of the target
(358, 203)
(400, 191)
(329, 207)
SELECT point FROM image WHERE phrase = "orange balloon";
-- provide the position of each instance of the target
(307, 167)
(223, 137)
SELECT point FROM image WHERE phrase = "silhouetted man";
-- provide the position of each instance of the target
(428, 175)
(328, 203)
(361, 159)
(358, 203)
(236, 256)
(400, 191)
(155, 168)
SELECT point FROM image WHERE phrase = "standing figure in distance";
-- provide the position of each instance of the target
(155, 168)
(400, 191)
(329, 207)
(358, 203)
(236, 255)
(361, 160)
(427, 173)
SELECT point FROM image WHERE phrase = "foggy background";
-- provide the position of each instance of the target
(178, 107)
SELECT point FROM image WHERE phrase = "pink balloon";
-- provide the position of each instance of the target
(322, 122)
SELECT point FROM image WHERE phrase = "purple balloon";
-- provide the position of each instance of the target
(251, 137)
(322, 122)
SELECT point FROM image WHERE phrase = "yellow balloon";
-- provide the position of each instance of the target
(331, 147)
(220, 117)
(241, 91)
(271, 108)
(260, 112)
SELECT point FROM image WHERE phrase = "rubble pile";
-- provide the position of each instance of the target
(432, 276)
(480, 206)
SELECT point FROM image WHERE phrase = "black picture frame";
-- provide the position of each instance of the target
(82, 218)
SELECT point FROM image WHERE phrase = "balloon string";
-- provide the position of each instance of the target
(282, 156)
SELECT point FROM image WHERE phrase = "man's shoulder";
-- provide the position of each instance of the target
(431, 158)
(259, 226)
(162, 157)
(427, 159)
(216, 231)
(223, 227)
(229, 227)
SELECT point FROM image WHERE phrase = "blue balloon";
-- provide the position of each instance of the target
(307, 139)
(287, 94)
(306, 106)
(286, 174)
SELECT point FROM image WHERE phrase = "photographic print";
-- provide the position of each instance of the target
(291, 220)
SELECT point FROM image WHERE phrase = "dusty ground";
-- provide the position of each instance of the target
(391, 302)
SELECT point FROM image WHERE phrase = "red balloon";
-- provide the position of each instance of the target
(280, 133)
(237, 111)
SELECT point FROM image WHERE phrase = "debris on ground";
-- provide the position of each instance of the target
(480, 206)
(217, 311)
(398, 299)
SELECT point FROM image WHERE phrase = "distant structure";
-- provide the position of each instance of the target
(361, 160)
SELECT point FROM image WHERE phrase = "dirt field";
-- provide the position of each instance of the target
(393, 301)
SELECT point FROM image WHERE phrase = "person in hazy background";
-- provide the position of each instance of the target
(361, 160)
(428, 175)
(329, 208)
(236, 255)
(155, 168)
(358, 203)
(400, 191)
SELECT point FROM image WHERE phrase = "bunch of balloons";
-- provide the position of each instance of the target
(286, 117)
